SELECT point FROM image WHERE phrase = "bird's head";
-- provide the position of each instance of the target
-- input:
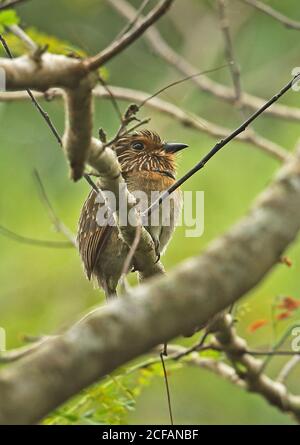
(144, 150)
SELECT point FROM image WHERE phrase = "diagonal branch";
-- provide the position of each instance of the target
(57, 223)
(201, 164)
(271, 12)
(163, 50)
(33, 241)
(185, 118)
(139, 27)
(11, 4)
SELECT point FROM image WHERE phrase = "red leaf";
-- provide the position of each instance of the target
(289, 303)
(284, 315)
(257, 325)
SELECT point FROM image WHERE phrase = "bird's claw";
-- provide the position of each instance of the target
(157, 258)
(157, 250)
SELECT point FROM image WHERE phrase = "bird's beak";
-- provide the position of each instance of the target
(173, 147)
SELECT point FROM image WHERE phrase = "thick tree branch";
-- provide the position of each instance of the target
(50, 70)
(157, 311)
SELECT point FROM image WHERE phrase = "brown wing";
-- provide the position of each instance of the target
(91, 237)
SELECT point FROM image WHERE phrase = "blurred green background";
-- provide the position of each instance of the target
(44, 290)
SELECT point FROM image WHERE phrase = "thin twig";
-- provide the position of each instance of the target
(134, 20)
(274, 353)
(233, 66)
(91, 182)
(220, 91)
(58, 224)
(133, 34)
(111, 95)
(220, 145)
(32, 241)
(199, 346)
(43, 113)
(275, 348)
(139, 124)
(178, 82)
(167, 388)
(288, 368)
(132, 250)
(185, 118)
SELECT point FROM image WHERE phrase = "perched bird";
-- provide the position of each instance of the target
(147, 165)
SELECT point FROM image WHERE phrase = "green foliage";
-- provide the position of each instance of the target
(109, 402)
(7, 18)
(52, 43)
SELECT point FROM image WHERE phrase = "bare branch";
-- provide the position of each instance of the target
(190, 120)
(58, 224)
(201, 164)
(133, 21)
(16, 354)
(54, 71)
(235, 348)
(163, 50)
(271, 12)
(127, 39)
(234, 67)
(186, 118)
(18, 32)
(11, 4)
(32, 241)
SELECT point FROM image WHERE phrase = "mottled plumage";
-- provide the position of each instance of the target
(148, 164)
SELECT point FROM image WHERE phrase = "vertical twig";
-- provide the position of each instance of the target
(229, 52)
(167, 388)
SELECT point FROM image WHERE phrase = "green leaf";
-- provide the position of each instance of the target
(7, 18)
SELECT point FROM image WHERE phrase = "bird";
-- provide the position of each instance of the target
(148, 164)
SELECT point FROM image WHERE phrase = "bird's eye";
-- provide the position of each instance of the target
(138, 145)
